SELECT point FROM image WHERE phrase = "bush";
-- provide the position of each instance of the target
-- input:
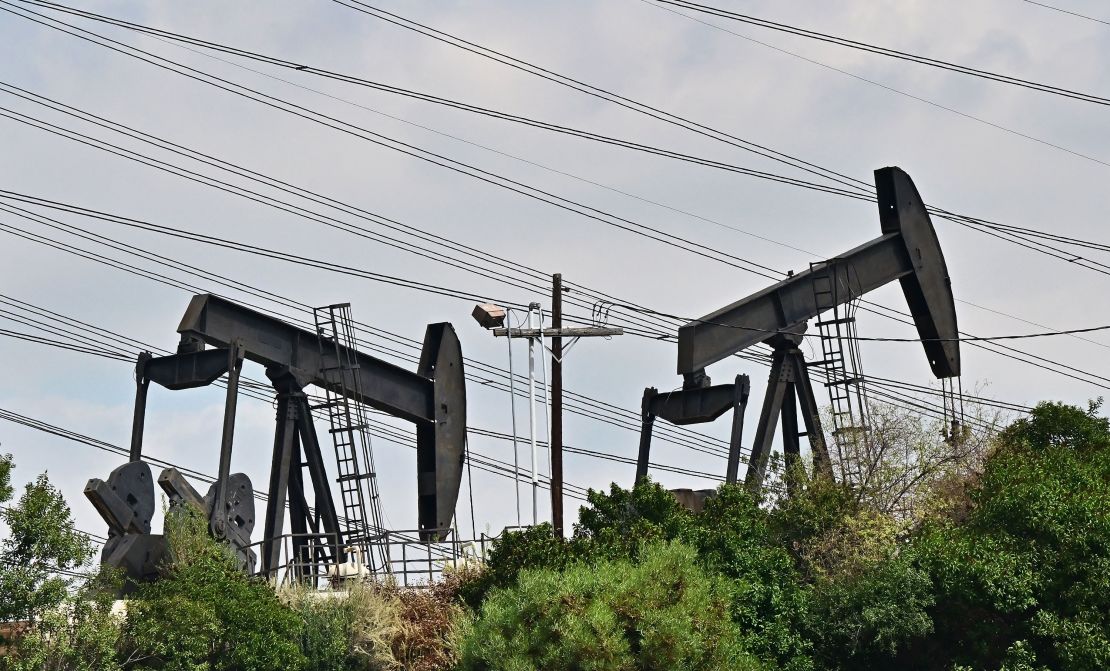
(662, 612)
(867, 619)
(428, 638)
(325, 628)
(204, 613)
(534, 547)
(733, 538)
(377, 627)
(374, 613)
(616, 525)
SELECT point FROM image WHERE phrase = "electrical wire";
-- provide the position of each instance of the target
(892, 53)
(354, 130)
(93, 346)
(1065, 11)
(575, 403)
(860, 185)
(116, 245)
(942, 212)
(881, 85)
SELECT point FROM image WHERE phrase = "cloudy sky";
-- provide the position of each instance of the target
(976, 147)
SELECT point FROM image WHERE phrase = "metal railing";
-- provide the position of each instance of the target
(322, 561)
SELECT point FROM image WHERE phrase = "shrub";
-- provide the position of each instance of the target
(867, 618)
(662, 612)
(429, 618)
(535, 547)
(733, 538)
(375, 623)
(618, 523)
(204, 613)
(325, 628)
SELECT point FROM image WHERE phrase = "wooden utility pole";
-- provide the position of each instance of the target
(557, 405)
(492, 317)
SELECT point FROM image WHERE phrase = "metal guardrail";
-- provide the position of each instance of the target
(321, 560)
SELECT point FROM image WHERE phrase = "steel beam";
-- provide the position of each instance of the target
(270, 341)
(284, 446)
(907, 250)
(695, 406)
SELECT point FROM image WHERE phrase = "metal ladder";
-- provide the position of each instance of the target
(347, 425)
(841, 379)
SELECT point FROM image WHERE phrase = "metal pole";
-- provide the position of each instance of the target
(546, 391)
(512, 411)
(142, 386)
(218, 519)
(532, 307)
(556, 443)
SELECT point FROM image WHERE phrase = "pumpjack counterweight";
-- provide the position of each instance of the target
(907, 251)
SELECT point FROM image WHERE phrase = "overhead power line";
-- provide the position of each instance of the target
(902, 319)
(887, 87)
(120, 151)
(974, 223)
(597, 92)
(87, 339)
(221, 242)
(769, 332)
(977, 224)
(576, 402)
(324, 265)
(884, 51)
(1066, 11)
(443, 250)
(430, 98)
(315, 263)
(489, 464)
(899, 319)
(384, 141)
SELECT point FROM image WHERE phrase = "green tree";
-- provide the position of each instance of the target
(6, 466)
(730, 538)
(40, 547)
(534, 547)
(618, 523)
(82, 634)
(659, 612)
(1024, 580)
(734, 538)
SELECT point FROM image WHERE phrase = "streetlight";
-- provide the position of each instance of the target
(492, 317)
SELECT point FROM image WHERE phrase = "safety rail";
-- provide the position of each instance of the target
(322, 561)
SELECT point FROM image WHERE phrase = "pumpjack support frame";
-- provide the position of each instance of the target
(788, 386)
(433, 398)
(907, 251)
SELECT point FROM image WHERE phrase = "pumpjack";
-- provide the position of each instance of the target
(216, 336)
(907, 251)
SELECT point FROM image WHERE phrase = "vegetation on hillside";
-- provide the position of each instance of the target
(986, 557)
